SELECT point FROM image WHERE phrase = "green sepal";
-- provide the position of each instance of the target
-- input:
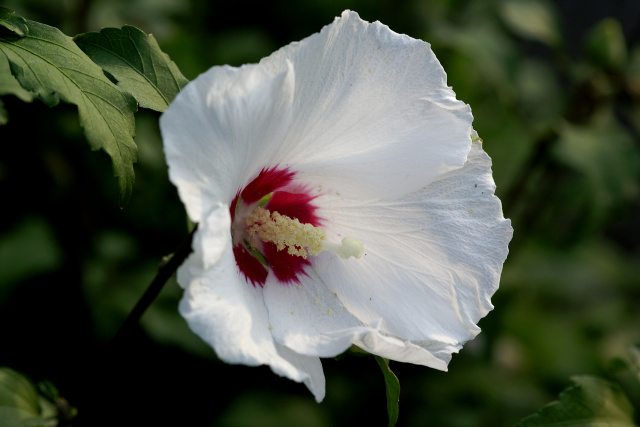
(191, 225)
(354, 350)
(393, 390)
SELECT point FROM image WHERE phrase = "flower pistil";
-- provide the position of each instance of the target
(265, 223)
(285, 232)
(290, 233)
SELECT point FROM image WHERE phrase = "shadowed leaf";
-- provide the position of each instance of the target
(9, 85)
(13, 23)
(135, 60)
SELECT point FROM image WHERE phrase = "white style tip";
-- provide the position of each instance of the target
(349, 247)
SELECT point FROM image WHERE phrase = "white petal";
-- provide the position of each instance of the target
(310, 319)
(432, 261)
(221, 129)
(230, 315)
(309, 371)
(372, 115)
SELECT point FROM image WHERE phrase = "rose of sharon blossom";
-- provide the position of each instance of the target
(340, 200)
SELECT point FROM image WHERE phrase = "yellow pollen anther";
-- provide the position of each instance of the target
(285, 232)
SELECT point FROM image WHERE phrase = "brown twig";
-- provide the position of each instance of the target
(165, 271)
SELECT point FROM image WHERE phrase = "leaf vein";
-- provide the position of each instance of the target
(112, 52)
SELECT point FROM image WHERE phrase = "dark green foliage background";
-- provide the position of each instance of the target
(556, 100)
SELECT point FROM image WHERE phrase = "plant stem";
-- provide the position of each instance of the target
(167, 268)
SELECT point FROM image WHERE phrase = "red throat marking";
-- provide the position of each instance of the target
(288, 198)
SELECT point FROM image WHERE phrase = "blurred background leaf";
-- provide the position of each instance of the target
(554, 87)
(532, 19)
(589, 402)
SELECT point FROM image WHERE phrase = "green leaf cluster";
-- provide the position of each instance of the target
(45, 62)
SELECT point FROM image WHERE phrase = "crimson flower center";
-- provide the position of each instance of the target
(274, 227)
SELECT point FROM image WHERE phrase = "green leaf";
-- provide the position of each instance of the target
(393, 390)
(590, 402)
(15, 24)
(135, 60)
(9, 85)
(50, 64)
(20, 404)
(16, 391)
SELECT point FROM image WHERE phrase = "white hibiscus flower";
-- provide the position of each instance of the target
(340, 200)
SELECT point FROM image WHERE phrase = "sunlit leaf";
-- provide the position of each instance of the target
(590, 402)
(15, 24)
(20, 404)
(50, 64)
(17, 391)
(393, 390)
(135, 60)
